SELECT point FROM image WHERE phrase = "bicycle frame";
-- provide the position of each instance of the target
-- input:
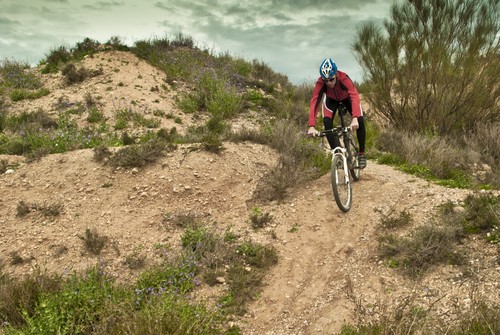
(340, 151)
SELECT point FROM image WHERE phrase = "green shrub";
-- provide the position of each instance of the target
(218, 96)
(87, 47)
(19, 297)
(54, 59)
(482, 212)
(124, 116)
(163, 314)
(135, 260)
(27, 122)
(224, 101)
(426, 246)
(23, 94)
(244, 277)
(438, 159)
(116, 44)
(189, 103)
(253, 135)
(127, 139)
(95, 116)
(212, 143)
(199, 241)
(182, 220)
(36, 134)
(244, 286)
(177, 276)
(485, 139)
(258, 218)
(18, 75)
(453, 98)
(265, 78)
(257, 255)
(169, 136)
(75, 309)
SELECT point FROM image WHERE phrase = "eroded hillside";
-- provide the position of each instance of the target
(328, 271)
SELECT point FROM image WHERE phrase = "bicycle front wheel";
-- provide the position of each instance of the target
(341, 185)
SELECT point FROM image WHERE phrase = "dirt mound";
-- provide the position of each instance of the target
(327, 265)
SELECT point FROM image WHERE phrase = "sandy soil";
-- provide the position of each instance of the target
(328, 271)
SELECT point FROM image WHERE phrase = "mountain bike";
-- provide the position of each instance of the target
(345, 163)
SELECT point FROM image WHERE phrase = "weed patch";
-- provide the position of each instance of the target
(46, 209)
(93, 241)
(75, 309)
(74, 75)
(19, 297)
(139, 155)
(258, 218)
(408, 316)
(427, 245)
(396, 220)
(482, 213)
(299, 160)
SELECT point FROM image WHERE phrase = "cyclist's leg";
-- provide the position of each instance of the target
(329, 108)
(332, 140)
(361, 134)
(361, 131)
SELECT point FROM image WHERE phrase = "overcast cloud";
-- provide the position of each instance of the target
(292, 37)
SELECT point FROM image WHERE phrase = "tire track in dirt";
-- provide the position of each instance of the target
(330, 261)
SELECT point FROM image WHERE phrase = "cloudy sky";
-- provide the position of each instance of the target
(291, 36)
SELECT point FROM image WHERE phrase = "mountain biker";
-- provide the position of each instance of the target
(331, 88)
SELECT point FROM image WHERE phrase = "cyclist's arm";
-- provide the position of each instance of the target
(353, 95)
(319, 89)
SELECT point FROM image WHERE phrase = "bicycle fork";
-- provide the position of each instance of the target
(339, 151)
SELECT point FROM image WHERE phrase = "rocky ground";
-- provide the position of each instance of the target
(328, 271)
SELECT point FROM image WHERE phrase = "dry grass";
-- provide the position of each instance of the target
(406, 315)
(46, 209)
(437, 154)
(438, 241)
(299, 160)
(485, 140)
(93, 241)
(457, 162)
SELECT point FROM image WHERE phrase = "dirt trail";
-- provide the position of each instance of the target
(330, 262)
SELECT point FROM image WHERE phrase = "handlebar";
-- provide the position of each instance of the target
(342, 129)
(335, 131)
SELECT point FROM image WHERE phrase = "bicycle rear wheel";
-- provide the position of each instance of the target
(341, 186)
(353, 157)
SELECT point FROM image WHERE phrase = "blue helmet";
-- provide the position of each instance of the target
(327, 69)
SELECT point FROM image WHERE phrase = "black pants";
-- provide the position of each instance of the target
(333, 105)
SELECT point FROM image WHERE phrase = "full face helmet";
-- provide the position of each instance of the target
(327, 69)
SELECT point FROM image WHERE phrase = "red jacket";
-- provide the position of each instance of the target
(343, 89)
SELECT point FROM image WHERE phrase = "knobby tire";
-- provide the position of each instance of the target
(342, 191)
